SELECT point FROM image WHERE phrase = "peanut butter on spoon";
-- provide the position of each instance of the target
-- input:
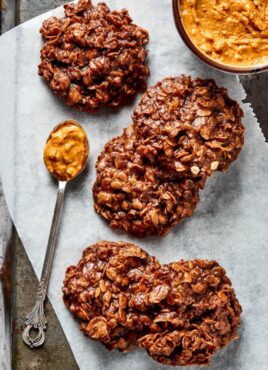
(66, 150)
(65, 156)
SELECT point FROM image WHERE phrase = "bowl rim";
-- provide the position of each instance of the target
(203, 57)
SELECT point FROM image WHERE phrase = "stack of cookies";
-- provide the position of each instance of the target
(149, 178)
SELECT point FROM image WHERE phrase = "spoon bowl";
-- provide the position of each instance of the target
(66, 150)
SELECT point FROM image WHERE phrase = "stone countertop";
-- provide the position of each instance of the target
(57, 353)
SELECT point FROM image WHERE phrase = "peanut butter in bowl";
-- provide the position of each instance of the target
(66, 150)
(230, 32)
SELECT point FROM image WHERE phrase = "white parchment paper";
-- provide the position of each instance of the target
(230, 224)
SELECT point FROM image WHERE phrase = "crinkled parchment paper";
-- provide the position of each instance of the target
(229, 225)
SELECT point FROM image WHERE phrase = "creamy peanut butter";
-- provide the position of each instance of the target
(232, 32)
(66, 151)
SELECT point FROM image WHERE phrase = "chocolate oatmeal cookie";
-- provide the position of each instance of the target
(136, 196)
(97, 291)
(189, 126)
(181, 313)
(93, 57)
(197, 315)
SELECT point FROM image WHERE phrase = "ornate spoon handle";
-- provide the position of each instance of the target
(36, 318)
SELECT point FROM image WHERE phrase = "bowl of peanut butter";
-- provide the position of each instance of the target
(230, 35)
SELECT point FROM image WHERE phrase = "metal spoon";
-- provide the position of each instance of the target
(36, 318)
